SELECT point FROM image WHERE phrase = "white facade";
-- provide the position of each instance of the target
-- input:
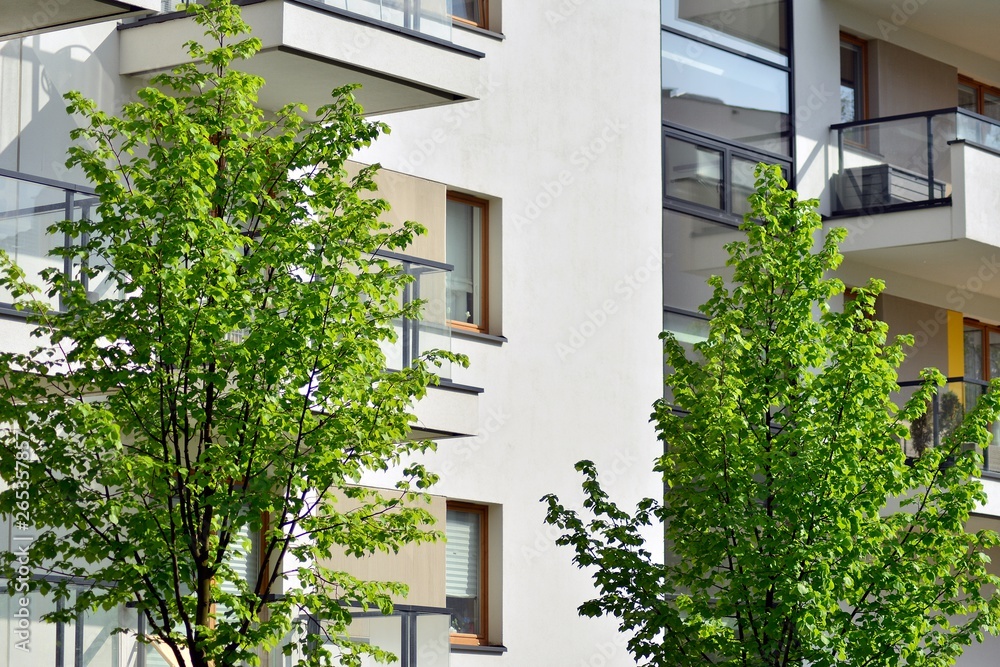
(552, 117)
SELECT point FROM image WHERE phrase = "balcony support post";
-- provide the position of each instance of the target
(930, 157)
(839, 191)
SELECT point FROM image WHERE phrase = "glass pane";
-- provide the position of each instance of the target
(695, 251)
(759, 28)
(686, 328)
(886, 163)
(468, 10)
(433, 641)
(26, 211)
(994, 354)
(693, 173)
(462, 571)
(973, 347)
(991, 106)
(742, 185)
(724, 94)
(851, 78)
(464, 251)
(968, 98)
(100, 647)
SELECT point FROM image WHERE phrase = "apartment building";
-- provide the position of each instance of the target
(527, 143)
(578, 211)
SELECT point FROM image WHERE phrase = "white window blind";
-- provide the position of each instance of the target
(462, 557)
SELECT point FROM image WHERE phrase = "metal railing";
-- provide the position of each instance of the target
(429, 17)
(944, 414)
(29, 205)
(904, 161)
(415, 337)
(417, 636)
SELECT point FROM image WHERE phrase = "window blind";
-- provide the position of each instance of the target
(462, 557)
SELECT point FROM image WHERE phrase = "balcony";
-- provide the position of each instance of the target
(417, 636)
(28, 205)
(20, 18)
(448, 409)
(917, 193)
(944, 414)
(398, 50)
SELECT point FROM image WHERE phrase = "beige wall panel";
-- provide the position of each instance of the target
(906, 317)
(419, 566)
(416, 199)
(903, 81)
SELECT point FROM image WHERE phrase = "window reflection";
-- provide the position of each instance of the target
(694, 251)
(759, 28)
(724, 94)
(693, 173)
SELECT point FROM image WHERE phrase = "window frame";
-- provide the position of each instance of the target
(981, 90)
(484, 261)
(725, 214)
(482, 638)
(862, 73)
(484, 16)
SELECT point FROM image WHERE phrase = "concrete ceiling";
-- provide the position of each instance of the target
(971, 24)
(25, 17)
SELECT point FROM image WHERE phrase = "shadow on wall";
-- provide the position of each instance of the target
(38, 71)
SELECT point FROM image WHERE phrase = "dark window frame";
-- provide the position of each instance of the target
(729, 151)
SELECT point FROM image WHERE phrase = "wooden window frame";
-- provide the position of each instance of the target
(484, 262)
(863, 70)
(482, 639)
(981, 90)
(985, 330)
(484, 14)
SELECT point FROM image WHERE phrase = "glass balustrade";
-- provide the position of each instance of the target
(886, 164)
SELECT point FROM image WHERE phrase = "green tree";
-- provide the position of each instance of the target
(235, 386)
(797, 533)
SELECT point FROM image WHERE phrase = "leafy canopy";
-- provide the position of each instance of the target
(796, 531)
(216, 371)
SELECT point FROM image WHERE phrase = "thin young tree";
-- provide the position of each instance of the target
(797, 532)
(224, 375)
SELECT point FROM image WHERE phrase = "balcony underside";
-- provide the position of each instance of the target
(969, 23)
(309, 50)
(19, 18)
(447, 412)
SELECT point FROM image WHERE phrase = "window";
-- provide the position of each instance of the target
(710, 178)
(719, 92)
(466, 232)
(978, 97)
(853, 57)
(466, 572)
(757, 28)
(471, 12)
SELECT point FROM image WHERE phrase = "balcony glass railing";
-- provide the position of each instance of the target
(417, 636)
(943, 416)
(28, 206)
(430, 17)
(902, 161)
(431, 332)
